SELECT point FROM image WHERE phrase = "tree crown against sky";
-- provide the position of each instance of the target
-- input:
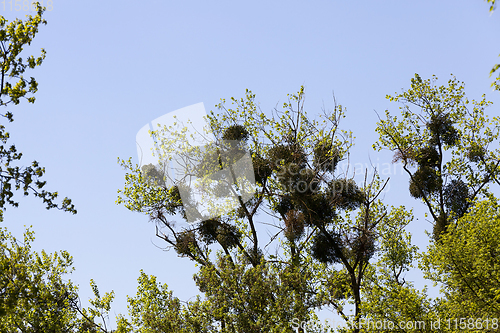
(14, 87)
(292, 233)
(36, 296)
(446, 144)
(333, 237)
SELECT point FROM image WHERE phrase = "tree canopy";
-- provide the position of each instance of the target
(446, 144)
(36, 297)
(276, 229)
(336, 243)
(14, 87)
(333, 239)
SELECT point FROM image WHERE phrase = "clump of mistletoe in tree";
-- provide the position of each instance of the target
(447, 146)
(303, 239)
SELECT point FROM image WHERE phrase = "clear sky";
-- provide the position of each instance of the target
(113, 66)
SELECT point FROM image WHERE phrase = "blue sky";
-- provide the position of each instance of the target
(114, 66)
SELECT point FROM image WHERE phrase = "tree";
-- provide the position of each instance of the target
(327, 227)
(34, 297)
(449, 150)
(255, 305)
(155, 309)
(446, 147)
(389, 299)
(465, 264)
(14, 87)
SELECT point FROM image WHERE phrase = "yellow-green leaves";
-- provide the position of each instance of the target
(14, 87)
(13, 38)
(155, 309)
(445, 144)
(466, 263)
(492, 4)
(33, 294)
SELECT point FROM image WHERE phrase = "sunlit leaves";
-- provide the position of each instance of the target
(36, 296)
(14, 87)
(155, 309)
(449, 140)
(465, 263)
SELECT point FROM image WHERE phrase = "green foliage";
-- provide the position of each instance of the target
(449, 150)
(35, 297)
(327, 225)
(142, 195)
(98, 311)
(155, 309)
(14, 36)
(446, 146)
(388, 296)
(465, 263)
(264, 298)
(337, 244)
(369, 243)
